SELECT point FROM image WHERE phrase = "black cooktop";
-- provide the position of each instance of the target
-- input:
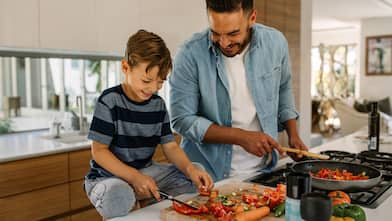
(370, 198)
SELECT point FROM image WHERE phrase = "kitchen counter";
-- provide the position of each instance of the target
(350, 143)
(25, 145)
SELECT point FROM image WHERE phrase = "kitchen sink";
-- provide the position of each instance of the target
(67, 138)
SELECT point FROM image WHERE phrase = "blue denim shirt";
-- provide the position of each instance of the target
(199, 93)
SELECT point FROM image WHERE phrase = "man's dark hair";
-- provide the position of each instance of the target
(229, 5)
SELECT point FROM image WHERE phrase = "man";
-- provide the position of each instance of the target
(231, 93)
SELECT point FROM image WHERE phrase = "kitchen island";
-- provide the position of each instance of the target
(351, 143)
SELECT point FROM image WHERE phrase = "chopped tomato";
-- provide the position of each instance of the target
(250, 198)
(183, 209)
(217, 209)
(338, 174)
(204, 191)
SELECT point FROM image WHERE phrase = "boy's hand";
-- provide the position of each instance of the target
(145, 187)
(201, 178)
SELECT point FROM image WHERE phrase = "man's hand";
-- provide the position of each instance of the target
(296, 142)
(258, 143)
(200, 178)
(145, 187)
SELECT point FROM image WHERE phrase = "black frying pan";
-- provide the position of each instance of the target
(327, 184)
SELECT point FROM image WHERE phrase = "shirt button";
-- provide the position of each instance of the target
(228, 152)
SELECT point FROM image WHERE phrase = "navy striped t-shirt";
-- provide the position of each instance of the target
(132, 130)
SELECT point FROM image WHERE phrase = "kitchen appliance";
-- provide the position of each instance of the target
(371, 197)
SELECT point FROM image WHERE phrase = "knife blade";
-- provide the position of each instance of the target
(170, 197)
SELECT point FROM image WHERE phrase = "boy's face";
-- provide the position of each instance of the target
(139, 84)
(230, 31)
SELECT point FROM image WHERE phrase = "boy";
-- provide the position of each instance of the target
(129, 121)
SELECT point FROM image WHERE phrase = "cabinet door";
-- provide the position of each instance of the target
(90, 215)
(78, 196)
(35, 205)
(31, 174)
(79, 164)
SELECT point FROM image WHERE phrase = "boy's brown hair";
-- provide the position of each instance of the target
(144, 46)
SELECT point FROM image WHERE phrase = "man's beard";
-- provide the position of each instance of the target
(240, 45)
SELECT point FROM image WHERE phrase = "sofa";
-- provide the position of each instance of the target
(351, 120)
(354, 117)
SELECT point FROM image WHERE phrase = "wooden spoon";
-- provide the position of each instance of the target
(306, 153)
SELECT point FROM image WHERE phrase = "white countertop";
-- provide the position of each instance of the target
(19, 146)
(349, 143)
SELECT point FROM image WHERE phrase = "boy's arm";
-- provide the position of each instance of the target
(177, 156)
(143, 185)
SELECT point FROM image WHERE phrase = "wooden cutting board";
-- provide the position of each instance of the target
(168, 214)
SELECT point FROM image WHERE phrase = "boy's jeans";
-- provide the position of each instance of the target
(114, 197)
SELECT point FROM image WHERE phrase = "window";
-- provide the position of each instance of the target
(333, 71)
(36, 86)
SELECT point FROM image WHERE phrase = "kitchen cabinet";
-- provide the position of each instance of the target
(68, 25)
(19, 23)
(43, 187)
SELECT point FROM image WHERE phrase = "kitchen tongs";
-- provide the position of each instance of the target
(170, 197)
(306, 153)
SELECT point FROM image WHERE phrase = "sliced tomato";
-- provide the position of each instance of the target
(204, 192)
(250, 198)
(180, 208)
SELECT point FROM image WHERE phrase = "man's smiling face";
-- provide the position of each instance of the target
(230, 31)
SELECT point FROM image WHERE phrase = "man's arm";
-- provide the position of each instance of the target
(287, 114)
(184, 98)
(254, 142)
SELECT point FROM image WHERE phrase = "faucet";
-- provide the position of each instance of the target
(82, 119)
(56, 128)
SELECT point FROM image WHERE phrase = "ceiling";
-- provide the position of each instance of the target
(346, 14)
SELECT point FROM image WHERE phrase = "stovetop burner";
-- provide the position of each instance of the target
(370, 198)
(377, 157)
(336, 153)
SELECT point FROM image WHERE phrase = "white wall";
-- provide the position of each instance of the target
(96, 25)
(336, 37)
(374, 86)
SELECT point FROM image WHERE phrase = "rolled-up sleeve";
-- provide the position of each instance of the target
(286, 106)
(184, 98)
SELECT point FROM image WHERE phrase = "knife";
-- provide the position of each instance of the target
(169, 197)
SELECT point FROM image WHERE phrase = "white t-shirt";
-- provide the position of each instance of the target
(243, 112)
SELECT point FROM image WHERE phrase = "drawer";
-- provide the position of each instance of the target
(78, 196)
(35, 205)
(90, 215)
(79, 164)
(31, 174)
